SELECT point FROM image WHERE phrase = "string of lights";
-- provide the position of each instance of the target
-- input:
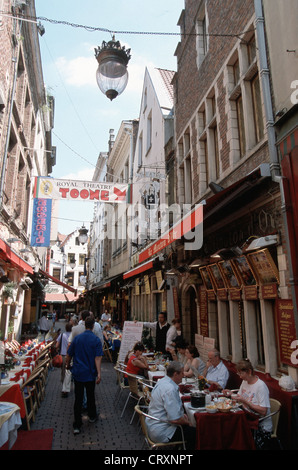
(113, 32)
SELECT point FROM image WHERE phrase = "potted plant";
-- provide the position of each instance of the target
(8, 292)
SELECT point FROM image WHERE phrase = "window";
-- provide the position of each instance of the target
(70, 278)
(246, 123)
(81, 258)
(251, 50)
(140, 150)
(70, 258)
(145, 100)
(57, 273)
(185, 169)
(202, 37)
(257, 108)
(240, 121)
(149, 133)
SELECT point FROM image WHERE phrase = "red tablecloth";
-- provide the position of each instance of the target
(223, 431)
(14, 395)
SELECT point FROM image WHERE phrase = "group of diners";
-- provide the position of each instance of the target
(166, 404)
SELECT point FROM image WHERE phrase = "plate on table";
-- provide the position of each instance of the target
(211, 409)
(203, 408)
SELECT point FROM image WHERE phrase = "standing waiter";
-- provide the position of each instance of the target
(161, 328)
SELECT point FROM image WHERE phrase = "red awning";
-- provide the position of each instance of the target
(60, 283)
(184, 226)
(60, 298)
(138, 269)
(9, 255)
(205, 209)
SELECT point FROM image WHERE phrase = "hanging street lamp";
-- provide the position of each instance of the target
(112, 74)
(83, 235)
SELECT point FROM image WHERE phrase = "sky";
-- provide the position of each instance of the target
(83, 114)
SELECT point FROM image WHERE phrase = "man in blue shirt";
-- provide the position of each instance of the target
(86, 352)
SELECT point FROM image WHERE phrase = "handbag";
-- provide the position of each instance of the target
(57, 361)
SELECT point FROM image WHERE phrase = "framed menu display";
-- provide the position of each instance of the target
(229, 274)
(246, 277)
(216, 275)
(230, 277)
(206, 278)
(244, 271)
(264, 267)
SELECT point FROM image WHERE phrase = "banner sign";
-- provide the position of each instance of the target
(75, 190)
(41, 222)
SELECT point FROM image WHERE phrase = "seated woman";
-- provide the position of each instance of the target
(137, 365)
(254, 395)
(107, 335)
(179, 354)
(193, 362)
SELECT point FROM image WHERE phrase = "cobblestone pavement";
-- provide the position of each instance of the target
(109, 432)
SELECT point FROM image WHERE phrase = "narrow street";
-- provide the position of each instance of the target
(109, 432)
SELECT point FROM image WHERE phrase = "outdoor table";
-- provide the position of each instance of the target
(222, 431)
(11, 393)
(155, 375)
(10, 421)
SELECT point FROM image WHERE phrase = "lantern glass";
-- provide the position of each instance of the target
(112, 78)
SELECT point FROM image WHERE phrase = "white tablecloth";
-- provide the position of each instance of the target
(10, 420)
(156, 373)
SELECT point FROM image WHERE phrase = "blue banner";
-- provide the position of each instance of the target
(41, 222)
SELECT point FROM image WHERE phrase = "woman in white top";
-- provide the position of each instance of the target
(193, 362)
(254, 396)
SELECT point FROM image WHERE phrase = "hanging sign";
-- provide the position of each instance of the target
(75, 190)
(41, 222)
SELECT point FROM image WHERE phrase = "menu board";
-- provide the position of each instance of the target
(229, 274)
(204, 328)
(264, 267)
(131, 334)
(216, 275)
(137, 287)
(147, 284)
(286, 329)
(244, 271)
(206, 278)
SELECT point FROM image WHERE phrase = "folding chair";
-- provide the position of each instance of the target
(134, 392)
(28, 390)
(120, 370)
(151, 444)
(106, 351)
(275, 407)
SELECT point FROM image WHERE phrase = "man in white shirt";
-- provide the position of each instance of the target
(215, 371)
(44, 324)
(80, 328)
(166, 404)
(161, 328)
(105, 318)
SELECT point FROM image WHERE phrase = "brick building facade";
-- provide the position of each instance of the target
(26, 120)
(224, 160)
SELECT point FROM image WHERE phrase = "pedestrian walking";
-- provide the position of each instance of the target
(86, 352)
(62, 345)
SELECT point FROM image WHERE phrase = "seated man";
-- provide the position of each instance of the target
(215, 371)
(166, 404)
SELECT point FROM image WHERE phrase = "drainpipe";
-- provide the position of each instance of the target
(273, 154)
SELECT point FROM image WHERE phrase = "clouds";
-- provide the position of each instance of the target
(80, 72)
